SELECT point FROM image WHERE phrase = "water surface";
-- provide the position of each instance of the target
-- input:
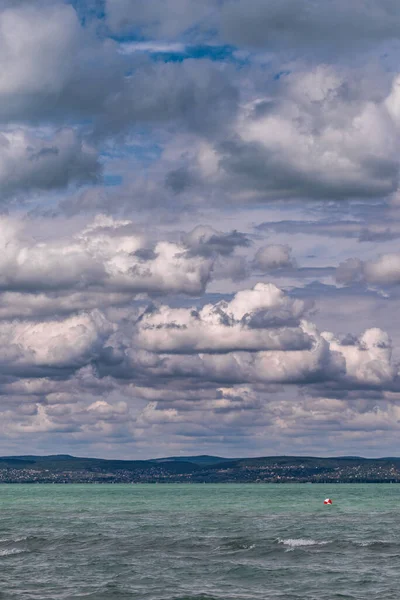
(199, 542)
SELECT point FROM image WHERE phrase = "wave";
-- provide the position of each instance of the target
(11, 551)
(235, 546)
(11, 540)
(196, 597)
(293, 543)
(376, 544)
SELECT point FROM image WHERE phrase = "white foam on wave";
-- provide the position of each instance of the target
(250, 547)
(293, 543)
(238, 549)
(8, 552)
(367, 543)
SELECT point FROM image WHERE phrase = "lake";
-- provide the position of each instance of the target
(199, 542)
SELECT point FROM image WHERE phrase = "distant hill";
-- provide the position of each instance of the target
(64, 468)
(203, 459)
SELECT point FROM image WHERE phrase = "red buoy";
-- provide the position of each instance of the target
(327, 501)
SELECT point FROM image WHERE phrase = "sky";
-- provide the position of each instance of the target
(199, 227)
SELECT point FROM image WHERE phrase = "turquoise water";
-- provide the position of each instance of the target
(199, 542)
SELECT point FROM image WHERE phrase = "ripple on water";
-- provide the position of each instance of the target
(140, 543)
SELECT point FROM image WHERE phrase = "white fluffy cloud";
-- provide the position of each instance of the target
(259, 319)
(259, 336)
(106, 255)
(183, 373)
(316, 133)
(368, 359)
(72, 342)
(385, 270)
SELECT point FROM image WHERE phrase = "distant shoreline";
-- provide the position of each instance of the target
(181, 483)
(66, 469)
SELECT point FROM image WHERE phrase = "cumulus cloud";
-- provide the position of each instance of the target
(206, 241)
(279, 366)
(72, 342)
(368, 359)
(106, 256)
(190, 372)
(258, 319)
(385, 270)
(322, 132)
(291, 126)
(317, 136)
(274, 256)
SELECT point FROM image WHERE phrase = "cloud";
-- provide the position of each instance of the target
(29, 163)
(322, 132)
(105, 256)
(174, 93)
(34, 304)
(130, 47)
(57, 70)
(47, 61)
(291, 25)
(162, 329)
(318, 138)
(368, 359)
(385, 270)
(356, 228)
(300, 25)
(259, 336)
(163, 19)
(274, 256)
(190, 374)
(203, 240)
(68, 343)
(258, 319)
